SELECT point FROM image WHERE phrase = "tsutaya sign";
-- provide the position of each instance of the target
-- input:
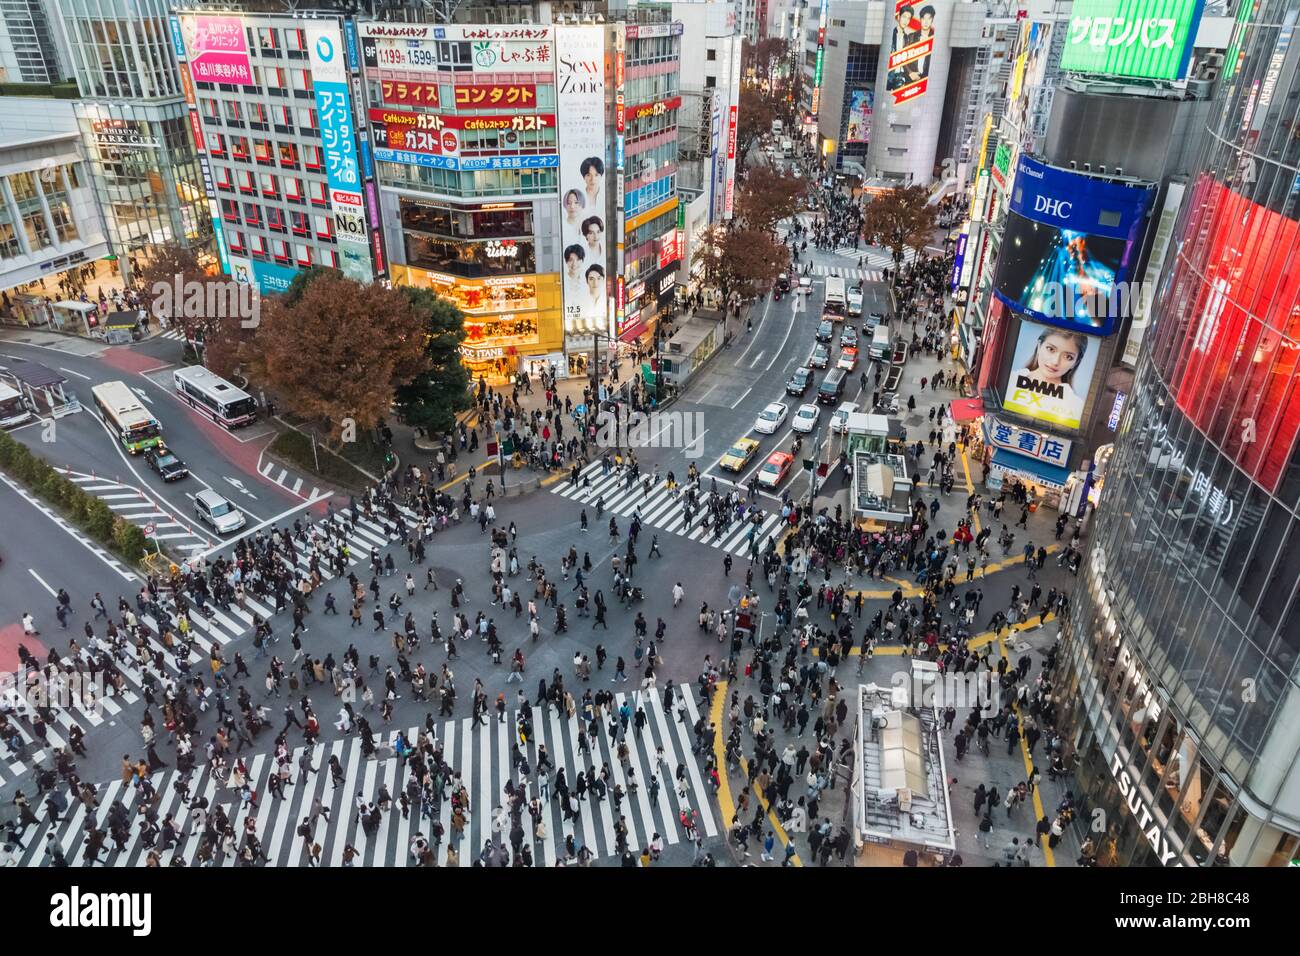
(1144, 696)
(1148, 39)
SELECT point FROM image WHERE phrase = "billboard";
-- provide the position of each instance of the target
(339, 148)
(1069, 241)
(1147, 39)
(858, 129)
(217, 49)
(911, 48)
(1233, 362)
(580, 93)
(1051, 373)
(733, 115)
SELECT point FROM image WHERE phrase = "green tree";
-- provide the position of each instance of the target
(432, 399)
(129, 540)
(900, 219)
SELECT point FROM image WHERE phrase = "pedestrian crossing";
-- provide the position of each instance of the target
(867, 275)
(209, 632)
(658, 790)
(663, 510)
(131, 504)
(175, 335)
(294, 484)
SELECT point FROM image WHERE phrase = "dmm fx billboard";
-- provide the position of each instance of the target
(1148, 39)
(580, 95)
(1070, 241)
(338, 143)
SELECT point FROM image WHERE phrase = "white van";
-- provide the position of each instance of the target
(880, 347)
(778, 127)
(855, 301)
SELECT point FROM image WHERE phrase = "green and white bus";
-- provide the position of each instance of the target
(122, 411)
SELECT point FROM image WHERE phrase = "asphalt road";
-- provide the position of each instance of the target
(229, 462)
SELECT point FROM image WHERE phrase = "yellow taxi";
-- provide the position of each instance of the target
(739, 454)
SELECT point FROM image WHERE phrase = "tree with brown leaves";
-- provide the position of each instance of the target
(767, 197)
(742, 261)
(335, 350)
(898, 220)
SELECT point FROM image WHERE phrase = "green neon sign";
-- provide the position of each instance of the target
(1143, 39)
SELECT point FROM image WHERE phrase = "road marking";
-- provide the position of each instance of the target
(71, 372)
(67, 529)
(788, 329)
(53, 593)
(141, 392)
(758, 358)
(742, 397)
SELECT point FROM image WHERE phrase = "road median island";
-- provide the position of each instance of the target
(87, 512)
(294, 449)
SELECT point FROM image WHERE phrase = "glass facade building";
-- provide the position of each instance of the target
(1183, 644)
(133, 122)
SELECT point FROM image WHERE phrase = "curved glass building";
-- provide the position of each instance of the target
(1182, 649)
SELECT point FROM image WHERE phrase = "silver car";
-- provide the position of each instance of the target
(218, 512)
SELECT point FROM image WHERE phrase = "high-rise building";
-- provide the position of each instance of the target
(31, 47)
(271, 108)
(1184, 644)
(49, 220)
(134, 122)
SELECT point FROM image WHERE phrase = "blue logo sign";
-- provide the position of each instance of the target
(350, 37)
(468, 164)
(325, 49)
(178, 40)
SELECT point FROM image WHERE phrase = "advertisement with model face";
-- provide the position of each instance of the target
(858, 129)
(1070, 246)
(580, 93)
(911, 48)
(1051, 374)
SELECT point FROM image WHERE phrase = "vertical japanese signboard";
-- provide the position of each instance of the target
(733, 112)
(338, 143)
(180, 29)
(580, 97)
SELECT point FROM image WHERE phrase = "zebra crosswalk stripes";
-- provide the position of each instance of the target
(175, 335)
(294, 484)
(870, 275)
(663, 509)
(665, 787)
(208, 632)
(133, 505)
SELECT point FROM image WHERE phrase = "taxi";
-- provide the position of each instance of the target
(775, 469)
(848, 359)
(739, 454)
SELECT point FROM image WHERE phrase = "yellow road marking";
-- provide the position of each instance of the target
(1048, 857)
(726, 804)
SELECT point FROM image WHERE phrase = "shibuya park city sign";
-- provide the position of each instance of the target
(1147, 39)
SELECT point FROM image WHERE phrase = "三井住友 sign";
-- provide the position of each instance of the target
(1147, 39)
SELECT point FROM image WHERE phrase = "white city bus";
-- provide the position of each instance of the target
(13, 410)
(835, 302)
(213, 396)
(122, 411)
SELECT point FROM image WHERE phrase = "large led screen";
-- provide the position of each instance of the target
(1051, 374)
(1070, 246)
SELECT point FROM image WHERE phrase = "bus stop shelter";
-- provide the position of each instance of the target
(43, 390)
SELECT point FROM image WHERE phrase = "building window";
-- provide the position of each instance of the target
(711, 55)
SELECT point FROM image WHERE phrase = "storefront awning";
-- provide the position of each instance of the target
(966, 409)
(1052, 476)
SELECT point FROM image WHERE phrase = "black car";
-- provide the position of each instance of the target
(168, 466)
(825, 331)
(783, 283)
(799, 381)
